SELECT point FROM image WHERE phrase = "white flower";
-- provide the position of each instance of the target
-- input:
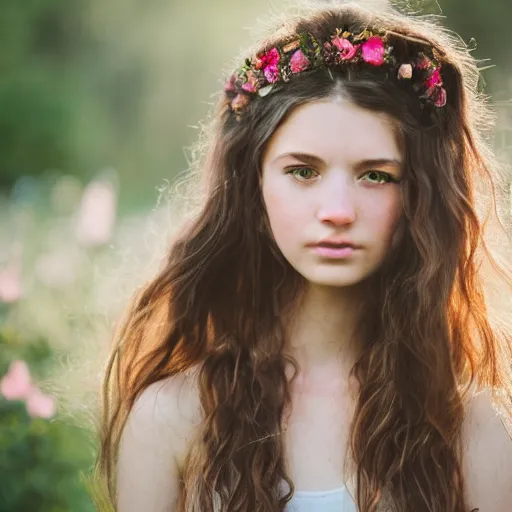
(405, 71)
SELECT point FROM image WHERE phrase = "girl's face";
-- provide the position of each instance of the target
(330, 172)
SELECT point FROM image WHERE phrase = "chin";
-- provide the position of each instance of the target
(337, 277)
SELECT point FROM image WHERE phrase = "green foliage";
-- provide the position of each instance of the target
(37, 104)
(41, 461)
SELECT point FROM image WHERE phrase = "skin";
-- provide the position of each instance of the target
(332, 192)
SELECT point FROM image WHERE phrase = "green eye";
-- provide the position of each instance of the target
(378, 176)
(303, 173)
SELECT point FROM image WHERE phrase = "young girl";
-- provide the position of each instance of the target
(330, 332)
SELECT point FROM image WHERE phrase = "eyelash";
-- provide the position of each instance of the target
(390, 177)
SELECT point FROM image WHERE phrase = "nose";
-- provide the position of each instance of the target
(337, 203)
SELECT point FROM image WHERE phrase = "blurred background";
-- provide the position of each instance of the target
(99, 102)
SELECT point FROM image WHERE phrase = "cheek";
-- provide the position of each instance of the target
(285, 213)
(382, 216)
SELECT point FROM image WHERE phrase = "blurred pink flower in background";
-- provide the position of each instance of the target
(97, 213)
(40, 405)
(10, 283)
(17, 385)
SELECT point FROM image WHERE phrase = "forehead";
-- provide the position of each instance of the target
(334, 129)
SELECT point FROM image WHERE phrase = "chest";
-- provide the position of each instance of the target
(316, 438)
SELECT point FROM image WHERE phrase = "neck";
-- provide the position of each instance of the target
(321, 332)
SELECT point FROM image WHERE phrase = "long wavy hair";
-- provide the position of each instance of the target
(434, 324)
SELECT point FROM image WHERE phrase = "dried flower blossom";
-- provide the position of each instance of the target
(299, 62)
(271, 73)
(434, 79)
(230, 84)
(271, 58)
(405, 71)
(250, 85)
(423, 62)
(239, 102)
(440, 100)
(346, 48)
(373, 51)
(291, 46)
(261, 72)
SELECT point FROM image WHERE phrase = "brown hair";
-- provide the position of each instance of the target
(430, 330)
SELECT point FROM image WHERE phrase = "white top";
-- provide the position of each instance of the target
(334, 500)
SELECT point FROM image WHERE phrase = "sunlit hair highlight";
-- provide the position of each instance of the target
(435, 325)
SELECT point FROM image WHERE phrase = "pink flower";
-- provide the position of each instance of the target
(271, 73)
(250, 85)
(16, 384)
(230, 84)
(423, 62)
(405, 71)
(373, 51)
(346, 48)
(40, 405)
(10, 283)
(434, 79)
(271, 58)
(440, 100)
(299, 62)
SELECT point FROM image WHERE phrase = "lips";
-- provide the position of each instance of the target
(334, 251)
(335, 245)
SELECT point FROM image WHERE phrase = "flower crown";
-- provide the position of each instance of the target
(260, 74)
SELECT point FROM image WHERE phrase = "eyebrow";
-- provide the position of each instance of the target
(315, 160)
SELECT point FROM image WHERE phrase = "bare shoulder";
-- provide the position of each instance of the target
(487, 455)
(171, 402)
(154, 444)
(171, 407)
